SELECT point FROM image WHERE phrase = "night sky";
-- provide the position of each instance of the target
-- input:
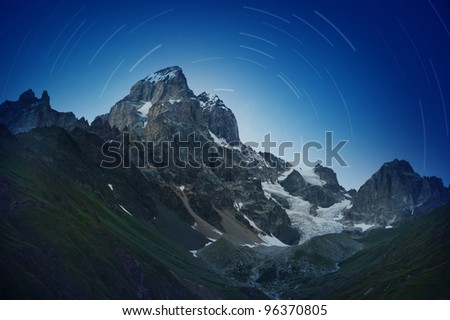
(375, 73)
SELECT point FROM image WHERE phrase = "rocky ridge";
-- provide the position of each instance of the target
(30, 112)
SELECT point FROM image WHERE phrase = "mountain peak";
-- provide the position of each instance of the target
(30, 112)
(167, 93)
(29, 99)
(45, 97)
(395, 191)
(165, 74)
(398, 165)
(208, 100)
(221, 120)
(164, 84)
(27, 96)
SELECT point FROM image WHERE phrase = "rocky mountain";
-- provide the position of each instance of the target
(165, 95)
(396, 191)
(220, 119)
(324, 191)
(186, 204)
(70, 229)
(30, 112)
(148, 97)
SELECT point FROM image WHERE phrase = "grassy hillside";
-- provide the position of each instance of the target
(407, 262)
(66, 238)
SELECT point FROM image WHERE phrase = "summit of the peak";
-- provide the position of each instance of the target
(165, 74)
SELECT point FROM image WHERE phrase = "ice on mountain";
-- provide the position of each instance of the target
(194, 253)
(363, 226)
(161, 76)
(311, 177)
(271, 241)
(218, 140)
(238, 205)
(326, 221)
(143, 110)
(252, 224)
(285, 174)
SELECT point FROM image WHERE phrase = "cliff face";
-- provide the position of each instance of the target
(395, 191)
(221, 120)
(162, 105)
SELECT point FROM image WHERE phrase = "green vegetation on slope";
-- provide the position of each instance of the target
(60, 240)
(407, 262)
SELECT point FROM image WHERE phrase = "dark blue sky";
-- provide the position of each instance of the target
(376, 73)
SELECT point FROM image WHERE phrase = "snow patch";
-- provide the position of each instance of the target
(194, 253)
(218, 140)
(252, 223)
(125, 210)
(285, 174)
(388, 227)
(211, 241)
(172, 101)
(110, 186)
(363, 226)
(268, 240)
(143, 110)
(181, 188)
(238, 205)
(311, 177)
(159, 76)
(271, 241)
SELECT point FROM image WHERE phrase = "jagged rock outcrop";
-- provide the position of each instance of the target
(324, 193)
(156, 93)
(101, 127)
(294, 183)
(220, 119)
(30, 112)
(396, 191)
(328, 176)
(162, 104)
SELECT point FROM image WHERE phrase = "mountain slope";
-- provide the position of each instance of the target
(407, 262)
(64, 239)
(395, 191)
